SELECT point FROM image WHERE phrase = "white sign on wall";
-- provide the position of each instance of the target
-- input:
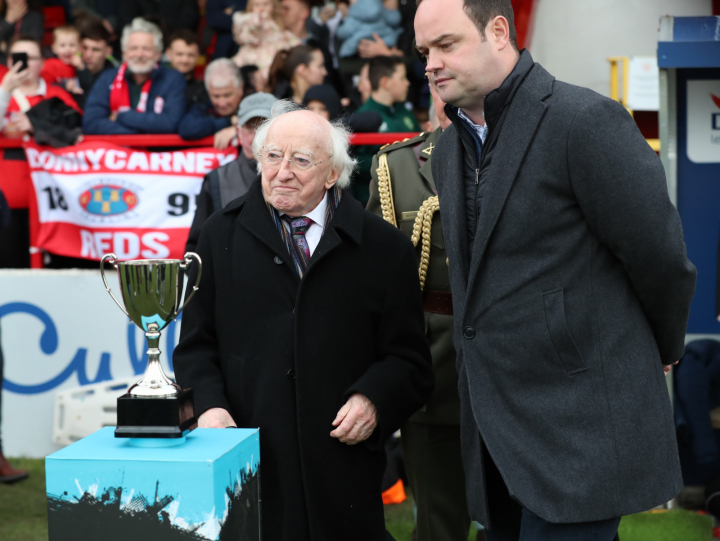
(703, 121)
(643, 84)
(61, 330)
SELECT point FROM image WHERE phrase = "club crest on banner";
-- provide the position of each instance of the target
(108, 200)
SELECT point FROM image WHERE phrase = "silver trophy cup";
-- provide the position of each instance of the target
(151, 290)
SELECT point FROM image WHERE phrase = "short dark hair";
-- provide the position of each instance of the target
(188, 36)
(94, 29)
(481, 11)
(382, 66)
(25, 37)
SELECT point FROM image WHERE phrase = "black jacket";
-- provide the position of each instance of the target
(284, 354)
(478, 156)
(576, 293)
(220, 186)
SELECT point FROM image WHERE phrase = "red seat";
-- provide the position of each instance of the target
(54, 18)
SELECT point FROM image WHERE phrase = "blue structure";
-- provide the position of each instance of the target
(207, 488)
(689, 61)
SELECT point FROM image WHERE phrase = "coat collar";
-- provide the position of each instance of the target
(256, 218)
(447, 164)
(523, 119)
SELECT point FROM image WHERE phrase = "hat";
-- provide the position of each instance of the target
(326, 95)
(256, 105)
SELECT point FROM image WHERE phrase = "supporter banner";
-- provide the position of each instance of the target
(95, 198)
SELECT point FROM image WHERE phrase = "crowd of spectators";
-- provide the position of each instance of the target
(183, 66)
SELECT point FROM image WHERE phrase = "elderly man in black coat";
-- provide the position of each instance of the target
(570, 281)
(309, 324)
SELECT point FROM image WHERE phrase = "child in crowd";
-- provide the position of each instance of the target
(364, 19)
(62, 70)
(259, 33)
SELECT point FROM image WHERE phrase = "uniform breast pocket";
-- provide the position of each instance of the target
(567, 351)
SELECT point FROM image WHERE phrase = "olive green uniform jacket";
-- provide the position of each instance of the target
(412, 184)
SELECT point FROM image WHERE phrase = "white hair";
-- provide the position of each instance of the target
(338, 144)
(222, 72)
(138, 25)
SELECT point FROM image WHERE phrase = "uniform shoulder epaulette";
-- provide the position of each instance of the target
(410, 141)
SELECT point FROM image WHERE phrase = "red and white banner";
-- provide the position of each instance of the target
(97, 198)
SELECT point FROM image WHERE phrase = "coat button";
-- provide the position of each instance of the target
(291, 374)
(468, 332)
(277, 260)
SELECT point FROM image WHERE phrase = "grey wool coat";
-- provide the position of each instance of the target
(575, 294)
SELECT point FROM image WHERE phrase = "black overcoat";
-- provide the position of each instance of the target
(574, 295)
(284, 354)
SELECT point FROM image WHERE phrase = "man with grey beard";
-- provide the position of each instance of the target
(140, 96)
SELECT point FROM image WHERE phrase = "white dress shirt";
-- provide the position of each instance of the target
(480, 130)
(316, 229)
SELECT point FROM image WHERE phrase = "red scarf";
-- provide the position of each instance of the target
(120, 93)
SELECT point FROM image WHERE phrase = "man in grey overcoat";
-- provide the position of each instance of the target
(570, 286)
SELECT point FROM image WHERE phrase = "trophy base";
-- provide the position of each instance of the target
(155, 417)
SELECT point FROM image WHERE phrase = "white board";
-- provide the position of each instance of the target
(59, 329)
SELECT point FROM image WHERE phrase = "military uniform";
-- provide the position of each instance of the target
(402, 188)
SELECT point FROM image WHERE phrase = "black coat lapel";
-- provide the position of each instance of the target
(518, 130)
(348, 218)
(256, 218)
(447, 168)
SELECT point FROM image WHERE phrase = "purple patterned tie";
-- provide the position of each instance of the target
(298, 228)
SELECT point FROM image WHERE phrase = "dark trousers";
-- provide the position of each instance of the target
(434, 468)
(511, 522)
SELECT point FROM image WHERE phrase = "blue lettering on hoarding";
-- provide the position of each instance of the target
(48, 345)
(78, 364)
(716, 121)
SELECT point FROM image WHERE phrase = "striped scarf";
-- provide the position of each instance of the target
(334, 195)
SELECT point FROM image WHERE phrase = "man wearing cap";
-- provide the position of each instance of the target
(232, 180)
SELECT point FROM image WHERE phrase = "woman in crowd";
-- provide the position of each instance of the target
(296, 70)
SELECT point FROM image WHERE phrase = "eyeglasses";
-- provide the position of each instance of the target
(273, 159)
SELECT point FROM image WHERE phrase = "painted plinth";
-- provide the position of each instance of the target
(207, 488)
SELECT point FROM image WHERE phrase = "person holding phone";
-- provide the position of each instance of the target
(22, 87)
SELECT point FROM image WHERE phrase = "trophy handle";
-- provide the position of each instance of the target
(184, 265)
(110, 257)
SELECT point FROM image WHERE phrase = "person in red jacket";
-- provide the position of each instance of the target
(21, 90)
(62, 70)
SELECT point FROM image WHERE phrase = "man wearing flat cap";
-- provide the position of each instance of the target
(222, 185)
(309, 324)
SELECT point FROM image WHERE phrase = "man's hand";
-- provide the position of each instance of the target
(15, 11)
(113, 117)
(224, 137)
(356, 420)
(667, 368)
(327, 13)
(376, 47)
(216, 418)
(72, 87)
(77, 62)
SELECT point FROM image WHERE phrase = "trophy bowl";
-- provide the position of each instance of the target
(151, 290)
